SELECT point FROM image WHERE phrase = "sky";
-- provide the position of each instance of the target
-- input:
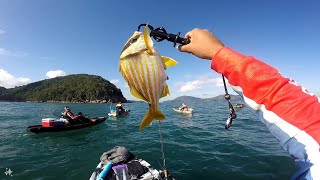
(41, 39)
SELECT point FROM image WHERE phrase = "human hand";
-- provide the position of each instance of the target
(203, 44)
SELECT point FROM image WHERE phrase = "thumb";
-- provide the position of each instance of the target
(184, 48)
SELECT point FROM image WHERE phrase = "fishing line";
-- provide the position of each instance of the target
(162, 151)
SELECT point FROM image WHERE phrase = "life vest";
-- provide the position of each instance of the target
(66, 116)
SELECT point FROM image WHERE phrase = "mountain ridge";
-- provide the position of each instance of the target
(192, 98)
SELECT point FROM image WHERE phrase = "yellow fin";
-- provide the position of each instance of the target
(148, 40)
(165, 91)
(151, 116)
(136, 94)
(168, 62)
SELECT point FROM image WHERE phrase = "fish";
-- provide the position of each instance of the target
(143, 68)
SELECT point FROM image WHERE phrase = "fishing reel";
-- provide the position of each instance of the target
(232, 113)
(160, 34)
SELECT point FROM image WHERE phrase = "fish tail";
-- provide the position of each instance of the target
(158, 115)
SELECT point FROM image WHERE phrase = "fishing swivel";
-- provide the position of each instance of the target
(160, 34)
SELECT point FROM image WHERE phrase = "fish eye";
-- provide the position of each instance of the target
(133, 40)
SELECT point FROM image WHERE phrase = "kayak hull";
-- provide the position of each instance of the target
(190, 111)
(40, 129)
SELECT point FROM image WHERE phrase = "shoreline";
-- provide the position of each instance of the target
(71, 102)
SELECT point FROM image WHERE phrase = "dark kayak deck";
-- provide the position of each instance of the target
(39, 128)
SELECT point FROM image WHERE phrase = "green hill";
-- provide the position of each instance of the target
(2, 90)
(71, 88)
(187, 99)
(234, 98)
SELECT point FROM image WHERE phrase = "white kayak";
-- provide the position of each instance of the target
(189, 111)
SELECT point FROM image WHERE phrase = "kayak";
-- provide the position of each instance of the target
(238, 105)
(114, 113)
(119, 163)
(40, 129)
(189, 111)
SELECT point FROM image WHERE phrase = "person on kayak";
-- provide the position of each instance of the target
(288, 110)
(72, 119)
(119, 108)
(184, 107)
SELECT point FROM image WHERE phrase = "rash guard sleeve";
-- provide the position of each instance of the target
(289, 111)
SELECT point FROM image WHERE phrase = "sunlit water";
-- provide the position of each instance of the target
(196, 147)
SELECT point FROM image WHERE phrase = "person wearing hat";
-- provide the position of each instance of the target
(184, 107)
(119, 108)
(72, 119)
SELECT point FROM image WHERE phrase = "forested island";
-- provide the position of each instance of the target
(77, 88)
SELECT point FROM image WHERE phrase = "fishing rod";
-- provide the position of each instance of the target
(160, 34)
(53, 112)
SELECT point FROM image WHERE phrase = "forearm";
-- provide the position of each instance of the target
(289, 112)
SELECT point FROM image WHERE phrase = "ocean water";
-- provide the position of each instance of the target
(196, 146)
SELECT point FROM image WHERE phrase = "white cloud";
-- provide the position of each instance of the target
(19, 54)
(219, 82)
(4, 51)
(2, 31)
(9, 81)
(114, 81)
(56, 73)
(190, 86)
(199, 84)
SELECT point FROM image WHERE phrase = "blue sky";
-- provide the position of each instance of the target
(40, 39)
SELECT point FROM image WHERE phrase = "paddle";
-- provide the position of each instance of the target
(53, 112)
